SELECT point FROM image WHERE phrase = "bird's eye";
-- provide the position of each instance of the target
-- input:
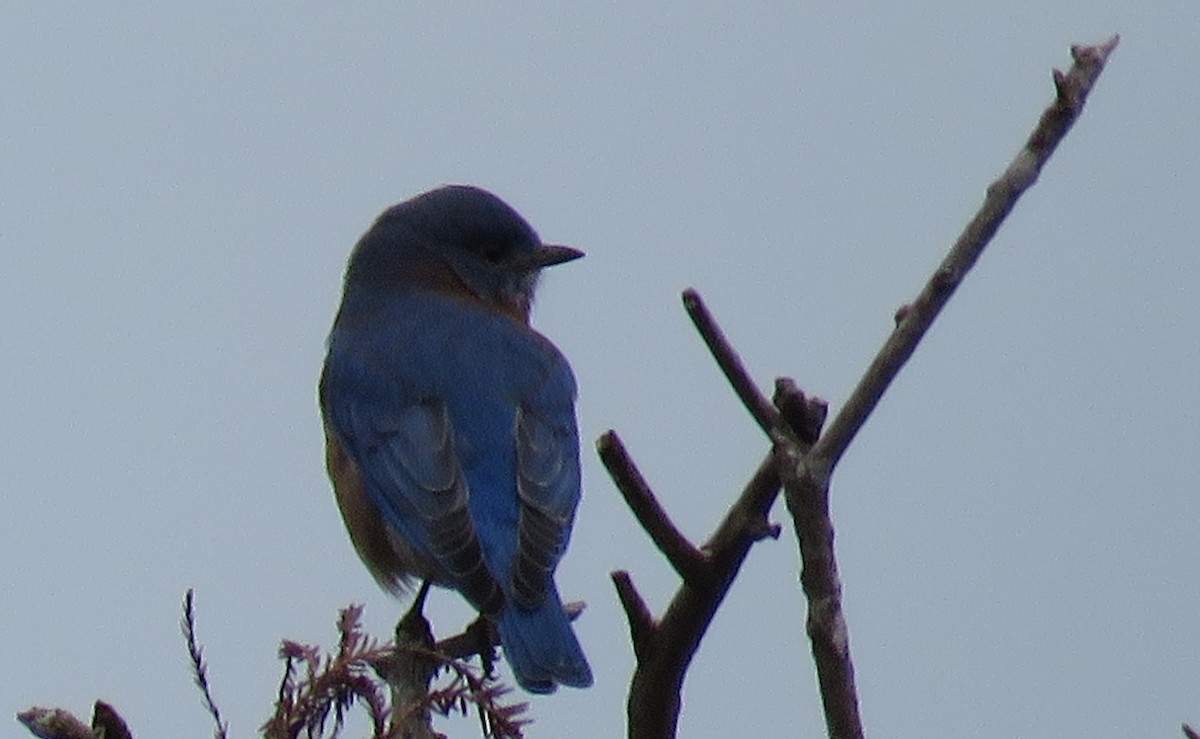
(493, 252)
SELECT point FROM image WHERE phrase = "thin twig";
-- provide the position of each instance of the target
(730, 363)
(1072, 89)
(199, 668)
(687, 560)
(642, 626)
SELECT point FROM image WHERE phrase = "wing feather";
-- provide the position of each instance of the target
(407, 453)
(548, 491)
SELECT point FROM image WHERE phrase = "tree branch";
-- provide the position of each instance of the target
(664, 649)
(55, 723)
(802, 460)
(642, 627)
(410, 672)
(685, 558)
(662, 661)
(825, 624)
(915, 319)
(730, 363)
(806, 475)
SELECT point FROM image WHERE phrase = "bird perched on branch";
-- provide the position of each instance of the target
(450, 423)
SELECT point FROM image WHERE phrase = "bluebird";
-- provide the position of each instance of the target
(450, 422)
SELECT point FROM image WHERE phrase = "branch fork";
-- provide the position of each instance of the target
(801, 461)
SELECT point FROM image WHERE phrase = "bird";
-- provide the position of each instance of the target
(450, 429)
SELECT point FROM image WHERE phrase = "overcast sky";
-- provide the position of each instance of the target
(1018, 524)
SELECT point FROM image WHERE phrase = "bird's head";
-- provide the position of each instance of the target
(486, 245)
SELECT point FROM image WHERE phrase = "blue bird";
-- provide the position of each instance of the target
(450, 423)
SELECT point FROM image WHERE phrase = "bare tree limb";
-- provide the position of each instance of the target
(54, 723)
(107, 723)
(806, 475)
(665, 648)
(825, 624)
(685, 558)
(662, 661)
(803, 415)
(915, 319)
(642, 626)
(730, 363)
(802, 460)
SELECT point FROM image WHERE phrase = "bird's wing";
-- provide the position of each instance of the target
(404, 444)
(548, 481)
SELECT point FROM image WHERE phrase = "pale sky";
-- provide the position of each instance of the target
(1018, 525)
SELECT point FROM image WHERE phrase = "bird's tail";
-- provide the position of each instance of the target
(541, 647)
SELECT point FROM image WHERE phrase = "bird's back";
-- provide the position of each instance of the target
(387, 353)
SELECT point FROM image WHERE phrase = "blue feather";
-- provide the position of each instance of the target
(458, 419)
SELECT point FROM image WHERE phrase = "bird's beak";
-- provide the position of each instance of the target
(547, 255)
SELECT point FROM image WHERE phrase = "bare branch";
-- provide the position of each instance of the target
(1190, 733)
(662, 662)
(804, 415)
(806, 476)
(642, 627)
(803, 460)
(730, 363)
(664, 649)
(915, 319)
(54, 723)
(107, 723)
(825, 624)
(685, 558)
